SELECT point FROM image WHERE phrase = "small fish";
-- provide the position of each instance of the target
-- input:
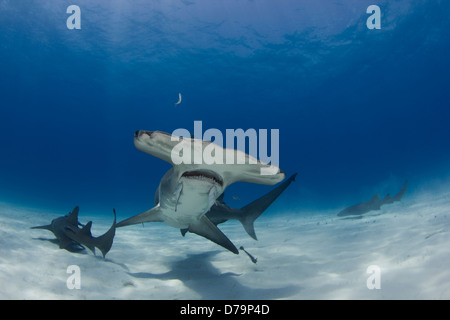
(179, 99)
(254, 260)
(236, 198)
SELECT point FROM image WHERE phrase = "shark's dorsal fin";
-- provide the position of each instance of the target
(375, 197)
(73, 216)
(86, 230)
(387, 197)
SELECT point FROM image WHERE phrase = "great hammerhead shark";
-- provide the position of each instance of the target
(190, 188)
(373, 204)
(66, 230)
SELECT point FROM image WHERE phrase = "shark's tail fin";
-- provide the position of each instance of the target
(253, 210)
(105, 241)
(400, 194)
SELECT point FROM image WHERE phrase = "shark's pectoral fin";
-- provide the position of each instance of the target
(205, 228)
(152, 215)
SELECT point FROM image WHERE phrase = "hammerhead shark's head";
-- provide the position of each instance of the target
(189, 189)
(373, 204)
(68, 233)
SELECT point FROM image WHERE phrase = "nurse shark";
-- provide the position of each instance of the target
(374, 203)
(68, 233)
(189, 189)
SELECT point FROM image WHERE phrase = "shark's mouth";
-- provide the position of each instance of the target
(203, 175)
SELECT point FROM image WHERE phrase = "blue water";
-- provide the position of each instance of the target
(359, 111)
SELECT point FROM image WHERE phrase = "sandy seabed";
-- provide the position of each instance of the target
(301, 255)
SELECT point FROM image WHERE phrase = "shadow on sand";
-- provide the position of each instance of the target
(197, 273)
